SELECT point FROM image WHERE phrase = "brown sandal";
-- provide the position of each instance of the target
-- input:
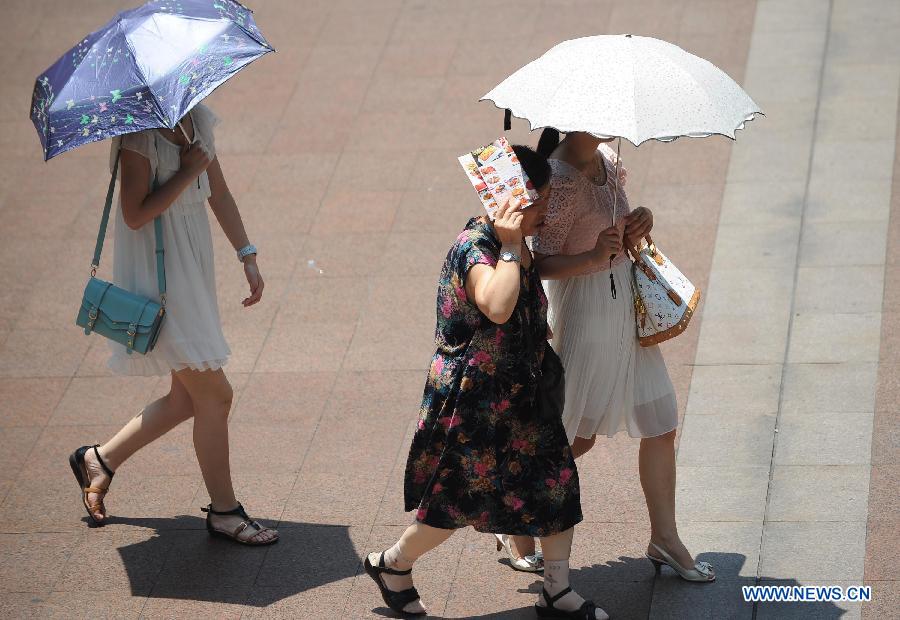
(247, 522)
(79, 468)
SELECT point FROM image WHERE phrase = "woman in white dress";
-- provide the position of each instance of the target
(172, 174)
(612, 383)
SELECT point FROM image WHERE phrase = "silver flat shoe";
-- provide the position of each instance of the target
(528, 564)
(702, 571)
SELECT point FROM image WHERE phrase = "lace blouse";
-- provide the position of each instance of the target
(574, 198)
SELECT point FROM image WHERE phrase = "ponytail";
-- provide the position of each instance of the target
(548, 142)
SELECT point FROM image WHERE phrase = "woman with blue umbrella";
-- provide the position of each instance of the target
(139, 80)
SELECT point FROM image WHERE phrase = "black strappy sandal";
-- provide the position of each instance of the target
(245, 523)
(395, 600)
(83, 476)
(585, 612)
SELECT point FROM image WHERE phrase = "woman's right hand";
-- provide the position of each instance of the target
(508, 223)
(194, 160)
(609, 243)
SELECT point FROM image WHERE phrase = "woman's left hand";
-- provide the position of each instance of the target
(254, 280)
(638, 223)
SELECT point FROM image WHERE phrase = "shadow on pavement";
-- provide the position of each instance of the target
(201, 568)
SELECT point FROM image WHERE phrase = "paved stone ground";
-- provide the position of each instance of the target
(788, 378)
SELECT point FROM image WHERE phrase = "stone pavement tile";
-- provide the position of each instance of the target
(845, 610)
(721, 493)
(34, 562)
(61, 605)
(115, 561)
(172, 454)
(415, 60)
(322, 300)
(890, 335)
(284, 447)
(29, 402)
(455, 205)
(390, 511)
(824, 438)
(311, 135)
(333, 498)
(365, 26)
(834, 338)
(284, 399)
(847, 47)
(748, 292)
(15, 444)
(689, 162)
(434, 573)
(149, 501)
(795, 47)
(311, 172)
(391, 93)
(882, 538)
(652, 18)
(52, 504)
(612, 495)
(885, 439)
(287, 602)
(759, 341)
(829, 202)
(738, 389)
(94, 363)
(430, 250)
(611, 552)
(827, 244)
(811, 388)
(885, 599)
(341, 256)
(42, 353)
(674, 599)
(754, 159)
(363, 170)
(883, 498)
(375, 131)
(794, 85)
(356, 211)
(868, 118)
(760, 246)
(878, 79)
(49, 455)
(863, 159)
(811, 493)
(779, 16)
(391, 335)
(438, 169)
(727, 439)
(746, 202)
(308, 347)
(807, 551)
(103, 400)
(858, 287)
(732, 548)
(888, 387)
(226, 604)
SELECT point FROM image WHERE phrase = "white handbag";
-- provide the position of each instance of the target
(664, 300)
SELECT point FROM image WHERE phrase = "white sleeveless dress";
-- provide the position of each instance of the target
(191, 335)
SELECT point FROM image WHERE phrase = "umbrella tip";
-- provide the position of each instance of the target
(627, 36)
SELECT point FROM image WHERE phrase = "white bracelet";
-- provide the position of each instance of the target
(245, 251)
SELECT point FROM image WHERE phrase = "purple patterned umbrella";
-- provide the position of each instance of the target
(145, 69)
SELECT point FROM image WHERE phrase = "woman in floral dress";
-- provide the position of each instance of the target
(482, 454)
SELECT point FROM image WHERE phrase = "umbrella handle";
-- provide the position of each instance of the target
(612, 282)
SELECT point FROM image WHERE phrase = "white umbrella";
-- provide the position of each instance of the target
(625, 86)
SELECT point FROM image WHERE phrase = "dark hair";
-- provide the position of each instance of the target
(548, 142)
(534, 164)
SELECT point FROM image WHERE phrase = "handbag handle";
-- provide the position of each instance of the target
(157, 230)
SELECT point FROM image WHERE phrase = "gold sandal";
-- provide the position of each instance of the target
(83, 476)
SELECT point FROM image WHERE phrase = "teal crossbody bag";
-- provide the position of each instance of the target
(127, 318)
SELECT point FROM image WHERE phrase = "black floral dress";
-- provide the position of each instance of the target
(481, 455)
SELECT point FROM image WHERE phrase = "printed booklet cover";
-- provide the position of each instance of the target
(497, 176)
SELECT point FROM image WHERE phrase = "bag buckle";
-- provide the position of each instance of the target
(132, 331)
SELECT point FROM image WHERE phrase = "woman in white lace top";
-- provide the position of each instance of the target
(612, 383)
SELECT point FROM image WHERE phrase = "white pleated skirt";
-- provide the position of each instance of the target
(612, 383)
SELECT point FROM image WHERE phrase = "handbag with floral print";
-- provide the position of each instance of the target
(664, 299)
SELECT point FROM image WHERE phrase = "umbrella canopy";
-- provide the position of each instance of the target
(625, 86)
(145, 69)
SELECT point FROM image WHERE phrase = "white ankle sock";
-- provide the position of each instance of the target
(394, 558)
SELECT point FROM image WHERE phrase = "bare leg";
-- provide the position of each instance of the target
(157, 419)
(657, 470)
(211, 395)
(417, 540)
(582, 446)
(557, 549)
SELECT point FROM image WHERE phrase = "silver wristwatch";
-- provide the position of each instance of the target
(510, 257)
(245, 251)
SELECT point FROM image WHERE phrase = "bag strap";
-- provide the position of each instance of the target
(157, 230)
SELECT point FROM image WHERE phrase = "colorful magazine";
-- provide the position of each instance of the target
(497, 176)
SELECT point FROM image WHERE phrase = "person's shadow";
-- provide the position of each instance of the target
(182, 562)
(628, 588)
